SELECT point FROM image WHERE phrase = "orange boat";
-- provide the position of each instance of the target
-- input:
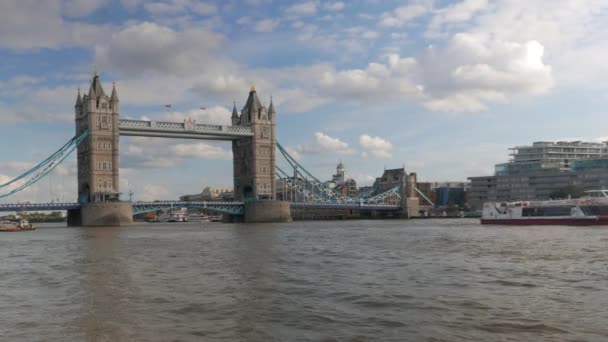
(16, 227)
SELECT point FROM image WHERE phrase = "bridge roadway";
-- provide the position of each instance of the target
(186, 130)
(234, 208)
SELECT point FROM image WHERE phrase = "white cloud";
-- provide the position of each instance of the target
(456, 13)
(175, 7)
(370, 35)
(266, 25)
(363, 179)
(215, 115)
(476, 70)
(303, 8)
(201, 150)
(245, 20)
(571, 31)
(377, 146)
(405, 14)
(334, 6)
(149, 47)
(329, 144)
(152, 192)
(203, 8)
(323, 144)
(81, 8)
(377, 82)
(466, 74)
(31, 24)
(152, 153)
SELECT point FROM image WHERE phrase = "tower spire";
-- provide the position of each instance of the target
(235, 113)
(271, 107)
(114, 96)
(253, 104)
(96, 89)
(78, 99)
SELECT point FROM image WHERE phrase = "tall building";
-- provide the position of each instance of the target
(542, 155)
(537, 171)
(211, 194)
(390, 179)
(98, 156)
(254, 157)
(341, 176)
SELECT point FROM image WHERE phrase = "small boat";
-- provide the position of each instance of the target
(16, 227)
(586, 211)
(180, 216)
(217, 218)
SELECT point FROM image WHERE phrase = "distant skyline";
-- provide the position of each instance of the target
(441, 87)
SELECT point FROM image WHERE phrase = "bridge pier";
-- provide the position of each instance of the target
(267, 211)
(103, 214)
(74, 218)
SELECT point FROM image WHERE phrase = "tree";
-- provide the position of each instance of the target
(570, 191)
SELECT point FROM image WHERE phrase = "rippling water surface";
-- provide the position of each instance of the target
(419, 280)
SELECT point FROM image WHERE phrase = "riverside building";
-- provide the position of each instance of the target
(536, 171)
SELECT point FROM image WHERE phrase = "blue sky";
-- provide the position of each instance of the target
(442, 87)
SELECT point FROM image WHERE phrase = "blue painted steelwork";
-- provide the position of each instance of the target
(45, 167)
(38, 206)
(309, 185)
(232, 208)
(313, 190)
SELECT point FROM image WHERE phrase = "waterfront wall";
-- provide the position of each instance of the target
(304, 214)
(267, 211)
(106, 214)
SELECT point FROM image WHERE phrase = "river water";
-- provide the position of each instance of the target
(417, 280)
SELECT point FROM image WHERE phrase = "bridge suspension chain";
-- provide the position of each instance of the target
(309, 184)
(313, 190)
(45, 167)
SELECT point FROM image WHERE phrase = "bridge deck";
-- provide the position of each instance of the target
(210, 205)
(185, 130)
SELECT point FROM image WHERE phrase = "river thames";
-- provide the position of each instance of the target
(417, 280)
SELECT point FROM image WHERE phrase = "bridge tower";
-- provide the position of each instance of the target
(98, 157)
(254, 162)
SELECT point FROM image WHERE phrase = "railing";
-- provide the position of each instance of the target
(38, 206)
(233, 208)
(156, 128)
(183, 203)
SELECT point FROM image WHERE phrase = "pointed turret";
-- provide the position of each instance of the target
(114, 96)
(78, 100)
(271, 110)
(235, 115)
(96, 90)
(253, 104)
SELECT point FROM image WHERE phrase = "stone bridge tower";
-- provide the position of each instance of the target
(254, 163)
(254, 157)
(98, 159)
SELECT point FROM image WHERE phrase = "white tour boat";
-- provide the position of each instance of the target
(589, 210)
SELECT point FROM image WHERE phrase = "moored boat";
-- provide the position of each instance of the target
(589, 210)
(16, 227)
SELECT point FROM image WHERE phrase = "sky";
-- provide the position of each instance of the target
(440, 87)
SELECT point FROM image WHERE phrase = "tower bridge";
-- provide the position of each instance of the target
(253, 136)
(252, 133)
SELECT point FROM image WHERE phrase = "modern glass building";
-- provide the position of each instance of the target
(536, 171)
